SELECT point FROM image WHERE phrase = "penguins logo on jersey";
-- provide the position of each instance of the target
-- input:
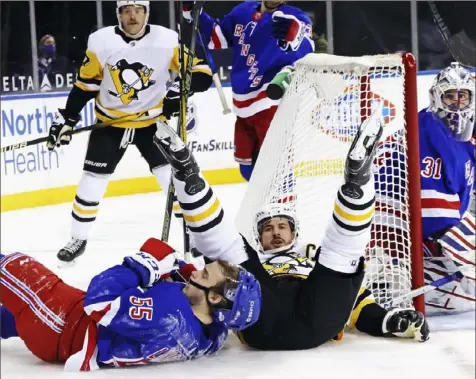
(288, 264)
(129, 79)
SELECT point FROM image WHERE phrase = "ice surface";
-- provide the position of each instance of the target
(122, 226)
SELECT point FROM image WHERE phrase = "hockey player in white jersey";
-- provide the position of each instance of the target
(311, 305)
(125, 69)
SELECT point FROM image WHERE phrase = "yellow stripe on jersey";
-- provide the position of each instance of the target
(203, 215)
(354, 217)
(108, 115)
(365, 298)
(90, 73)
(197, 66)
(204, 212)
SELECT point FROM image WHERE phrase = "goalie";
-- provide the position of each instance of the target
(313, 305)
(447, 161)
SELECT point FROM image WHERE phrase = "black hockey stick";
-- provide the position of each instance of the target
(98, 125)
(460, 45)
(185, 83)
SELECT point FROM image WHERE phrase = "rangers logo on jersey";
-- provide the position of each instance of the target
(129, 79)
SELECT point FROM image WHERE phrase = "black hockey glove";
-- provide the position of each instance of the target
(171, 105)
(406, 324)
(59, 127)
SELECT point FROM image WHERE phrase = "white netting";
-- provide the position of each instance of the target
(302, 158)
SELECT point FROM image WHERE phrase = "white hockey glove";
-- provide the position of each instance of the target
(59, 128)
(406, 323)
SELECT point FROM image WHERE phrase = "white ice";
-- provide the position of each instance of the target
(125, 222)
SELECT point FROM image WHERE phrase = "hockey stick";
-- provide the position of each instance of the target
(428, 287)
(215, 77)
(98, 125)
(186, 75)
(460, 46)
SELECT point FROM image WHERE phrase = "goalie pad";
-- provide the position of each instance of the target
(454, 297)
(458, 243)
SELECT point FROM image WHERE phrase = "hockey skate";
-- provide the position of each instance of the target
(73, 249)
(358, 165)
(180, 158)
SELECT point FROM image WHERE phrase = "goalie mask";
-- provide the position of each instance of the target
(266, 214)
(452, 99)
(241, 304)
(121, 4)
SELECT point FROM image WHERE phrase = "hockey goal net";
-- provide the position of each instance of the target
(302, 159)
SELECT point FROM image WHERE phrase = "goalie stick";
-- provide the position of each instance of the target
(185, 82)
(460, 46)
(428, 287)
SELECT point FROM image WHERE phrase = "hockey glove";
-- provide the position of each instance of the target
(406, 324)
(171, 105)
(57, 134)
(155, 261)
(288, 30)
(187, 11)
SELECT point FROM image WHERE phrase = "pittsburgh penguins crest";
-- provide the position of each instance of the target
(129, 79)
(288, 265)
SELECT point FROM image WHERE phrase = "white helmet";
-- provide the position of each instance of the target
(460, 121)
(270, 211)
(145, 4)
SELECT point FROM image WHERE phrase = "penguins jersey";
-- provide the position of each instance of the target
(131, 74)
(298, 264)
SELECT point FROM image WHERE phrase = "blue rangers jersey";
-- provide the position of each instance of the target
(140, 326)
(447, 177)
(257, 58)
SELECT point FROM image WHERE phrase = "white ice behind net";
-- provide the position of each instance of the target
(302, 158)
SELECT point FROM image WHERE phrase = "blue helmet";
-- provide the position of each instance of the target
(244, 302)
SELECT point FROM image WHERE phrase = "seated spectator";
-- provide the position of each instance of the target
(49, 62)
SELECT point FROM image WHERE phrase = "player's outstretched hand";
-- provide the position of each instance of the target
(406, 323)
(156, 260)
(288, 30)
(59, 129)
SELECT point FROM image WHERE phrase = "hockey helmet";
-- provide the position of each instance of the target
(459, 118)
(241, 303)
(270, 211)
(121, 4)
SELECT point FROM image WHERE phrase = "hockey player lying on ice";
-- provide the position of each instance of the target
(297, 313)
(130, 314)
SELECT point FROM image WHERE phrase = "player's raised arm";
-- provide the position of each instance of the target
(113, 295)
(217, 33)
